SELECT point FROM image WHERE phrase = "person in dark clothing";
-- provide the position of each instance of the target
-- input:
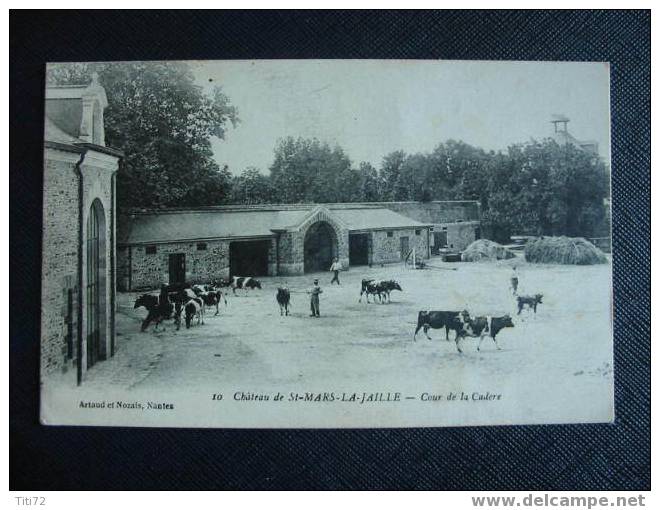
(163, 298)
(314, 302)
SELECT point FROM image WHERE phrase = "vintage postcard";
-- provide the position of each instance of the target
(326, 243)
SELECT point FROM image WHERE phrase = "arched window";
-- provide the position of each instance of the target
(95, 291)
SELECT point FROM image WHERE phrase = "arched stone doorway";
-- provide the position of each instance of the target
(320, 247)
(96, 284)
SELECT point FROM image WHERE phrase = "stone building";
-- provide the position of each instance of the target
(202, 244)
(78, 273)
(454, 223)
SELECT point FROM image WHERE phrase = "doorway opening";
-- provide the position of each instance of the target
(248, 258)
(177, 268)
(359, 249)
(320, 247)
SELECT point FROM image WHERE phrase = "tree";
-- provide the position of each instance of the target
(390, 172)
(545, 188)
(251, 187)
(370, 183)
(163, 122)
(306, 170)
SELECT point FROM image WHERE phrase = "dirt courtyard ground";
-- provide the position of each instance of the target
(557, 363)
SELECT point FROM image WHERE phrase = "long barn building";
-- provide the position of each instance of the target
(199, 245)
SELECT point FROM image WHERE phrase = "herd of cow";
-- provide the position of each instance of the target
(191, 301)
(188, 300)
(460, 322)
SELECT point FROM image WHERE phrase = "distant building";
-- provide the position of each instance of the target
(78, 275)
(199, 245)
(563, 137)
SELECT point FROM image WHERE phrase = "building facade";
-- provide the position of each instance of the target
(454, 223)
(78, 273)
(171, 246)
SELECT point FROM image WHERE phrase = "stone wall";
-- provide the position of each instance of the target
(59, 321)
(272, 258)
(140, 270)
(386, 249)
(60, 260)
(291, 255)
(459, 235)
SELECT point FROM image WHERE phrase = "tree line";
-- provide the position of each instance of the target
(164, 123)
(534, 188)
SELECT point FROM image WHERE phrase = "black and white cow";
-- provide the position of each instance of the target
(530, 301)
(387, 286)
(192, 305)
(244, 282)
(449, 320)
(482, 327)
(210, 296)
(380, 288)
(194, 308)
(369, 287)
(156, 312)
(220, 283)
(186, 302)
(283, 298)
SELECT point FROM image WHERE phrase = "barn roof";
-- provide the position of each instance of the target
(173, 226)
(180, 226)
(367, 218)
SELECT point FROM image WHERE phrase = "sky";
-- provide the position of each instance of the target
(373, 107)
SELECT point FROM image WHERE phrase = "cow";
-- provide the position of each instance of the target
(194, 307)
(221, 283)
(181, 295)
(173, 288)
(190, 304)
(213, 298)
(441, 319)
(210, 296)
(388, 286)
(156, 312)
(244, 282)
(369, 287)
(283, 298)
(483, 326)
(530, 301)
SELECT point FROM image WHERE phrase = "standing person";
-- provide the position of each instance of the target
(514, 281)
(335, 268)
(163, 297)
(314, 302)
(164, 304)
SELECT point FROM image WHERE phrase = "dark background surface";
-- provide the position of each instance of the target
(613, 456)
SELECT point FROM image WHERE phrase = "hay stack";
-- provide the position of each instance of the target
(486, 250)
(563, 250)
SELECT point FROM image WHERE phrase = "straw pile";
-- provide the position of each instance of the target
(563, 250)
(486, 250)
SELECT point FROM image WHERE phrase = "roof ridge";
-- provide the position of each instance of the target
(289, 207)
